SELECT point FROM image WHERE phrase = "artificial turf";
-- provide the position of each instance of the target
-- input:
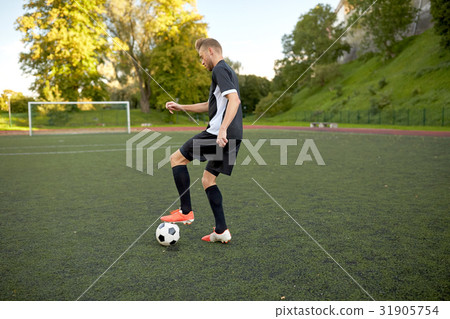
(379, 208)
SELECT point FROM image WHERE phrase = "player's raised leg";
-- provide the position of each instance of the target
(221, 232)
(182, 181)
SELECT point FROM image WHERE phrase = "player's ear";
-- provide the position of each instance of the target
(211, 51)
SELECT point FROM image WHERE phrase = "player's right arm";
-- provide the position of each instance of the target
(196, 108)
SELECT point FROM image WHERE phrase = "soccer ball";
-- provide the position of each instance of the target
(167, 234)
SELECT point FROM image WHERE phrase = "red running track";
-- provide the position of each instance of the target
(247, 127)
(318, 129)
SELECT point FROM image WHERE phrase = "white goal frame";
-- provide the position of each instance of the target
(127, 105)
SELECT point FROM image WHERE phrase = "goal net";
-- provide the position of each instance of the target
(81, 117)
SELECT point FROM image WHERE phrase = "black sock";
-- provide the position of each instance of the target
(215, 200)
(182, 181)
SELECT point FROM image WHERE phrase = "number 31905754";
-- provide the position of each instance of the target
(408, 310)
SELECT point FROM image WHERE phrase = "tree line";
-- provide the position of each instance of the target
(142, 50)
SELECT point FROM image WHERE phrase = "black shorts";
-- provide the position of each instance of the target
(203, 147)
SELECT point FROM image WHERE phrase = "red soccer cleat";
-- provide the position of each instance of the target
(177, 216)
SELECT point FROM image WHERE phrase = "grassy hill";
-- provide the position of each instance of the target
(417, 78)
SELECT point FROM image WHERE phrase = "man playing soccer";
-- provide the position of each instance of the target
(218, 144)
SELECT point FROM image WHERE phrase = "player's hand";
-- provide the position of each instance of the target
(173, 106)
(222, 138)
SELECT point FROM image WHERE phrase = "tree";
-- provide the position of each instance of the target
(253, 88)
(64, 48)
(235, 65)
(386, 21)
(440, 9)
(19, 102)
(156, 40)
(312, 38)
(175, 62)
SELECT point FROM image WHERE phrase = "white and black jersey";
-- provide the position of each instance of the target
(224, 82)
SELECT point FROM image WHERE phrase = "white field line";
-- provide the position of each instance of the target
(314, 240)
(66, 152)
(55, 146)
(137, 239)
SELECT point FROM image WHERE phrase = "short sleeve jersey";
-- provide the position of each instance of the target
(224, 82)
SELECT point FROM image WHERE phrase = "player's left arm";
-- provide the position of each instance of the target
(232, 108)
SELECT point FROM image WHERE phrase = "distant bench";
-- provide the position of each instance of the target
(323, 124)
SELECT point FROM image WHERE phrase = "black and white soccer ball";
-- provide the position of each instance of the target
(167, 234)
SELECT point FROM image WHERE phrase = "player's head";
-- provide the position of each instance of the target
(210, 52)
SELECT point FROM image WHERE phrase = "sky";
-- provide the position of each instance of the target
(249, 31)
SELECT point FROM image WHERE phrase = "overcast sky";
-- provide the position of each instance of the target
(250, 32)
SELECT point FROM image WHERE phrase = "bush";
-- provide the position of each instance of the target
(430, 69)
(415, 92)
(338, 89)
(440, 10)
(371, 90)
(382, 83)
(19, 102)
(57, 117)
(378, 104)
(325, 73)
(274, 103)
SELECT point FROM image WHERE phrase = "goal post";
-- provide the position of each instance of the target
(60, 115)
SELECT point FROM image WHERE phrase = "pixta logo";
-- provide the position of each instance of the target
(148, 142)
(303, 156)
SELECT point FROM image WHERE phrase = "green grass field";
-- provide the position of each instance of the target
(380, 207)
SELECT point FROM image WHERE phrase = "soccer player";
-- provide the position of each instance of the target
(218, 143)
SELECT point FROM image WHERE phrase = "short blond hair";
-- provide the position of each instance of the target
(205, 43)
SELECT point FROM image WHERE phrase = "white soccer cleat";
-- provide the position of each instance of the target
(225, 237)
